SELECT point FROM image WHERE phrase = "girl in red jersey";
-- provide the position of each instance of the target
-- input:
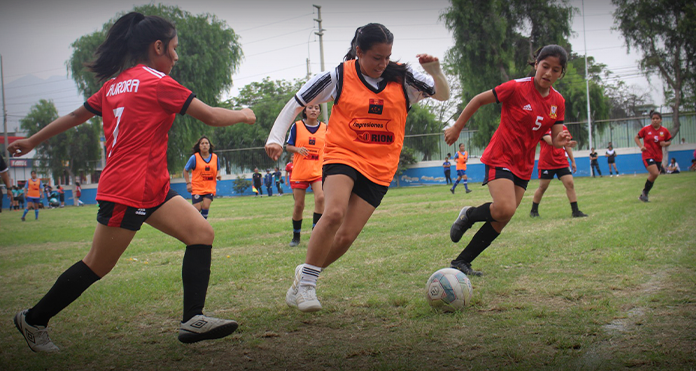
(364, 137)
(138, 107)
(553, 162)
(306, 143)
(654, 136)
(205, 168)
(530, 108)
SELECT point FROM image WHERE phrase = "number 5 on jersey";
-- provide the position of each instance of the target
(537, 124)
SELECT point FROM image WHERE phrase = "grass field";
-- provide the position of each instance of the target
(615, 290)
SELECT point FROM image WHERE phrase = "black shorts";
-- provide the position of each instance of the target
(549, 173)
(62, 197)
(493, 173)
(112, 214)
(649, 161)
(199, 198)
(364, 188)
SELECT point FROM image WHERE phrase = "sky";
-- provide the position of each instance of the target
(277, 37)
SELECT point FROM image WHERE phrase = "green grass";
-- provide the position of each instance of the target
(615, 290)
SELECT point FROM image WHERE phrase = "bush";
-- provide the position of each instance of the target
(241, 184)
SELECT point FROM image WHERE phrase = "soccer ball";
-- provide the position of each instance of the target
(448, 290)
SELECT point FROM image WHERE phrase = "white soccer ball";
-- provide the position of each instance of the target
(448, 290)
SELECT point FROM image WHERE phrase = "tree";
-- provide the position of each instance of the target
(74, 150)
(446, 112)
(493, 42)
(663, 30)
(421, 121)
(267, 98)
(209, 53)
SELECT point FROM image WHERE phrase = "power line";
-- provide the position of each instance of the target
(276, 22)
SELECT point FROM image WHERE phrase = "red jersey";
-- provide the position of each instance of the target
(526, 116)
(550, 157)
(651, 141)
(138, 108)
(289, 167)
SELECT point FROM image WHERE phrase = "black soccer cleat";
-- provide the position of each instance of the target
(465, 268)
(460, 225)
(579, 214)
(643, 197)
(535, 214)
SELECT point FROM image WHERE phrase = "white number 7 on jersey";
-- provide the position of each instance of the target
(117, 113)
(537, 124)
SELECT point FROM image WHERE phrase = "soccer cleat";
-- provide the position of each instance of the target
(452, 190)
(460, 225)
(534, 214)
(294, 242)
(35, 336)
(202, 327)
(23, 219)
(468, 191)
(465, 268)
(306, 299)
(643, 197)
(579, 214)
(292, 291)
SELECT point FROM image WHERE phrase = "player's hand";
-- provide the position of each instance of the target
(563, 138)
(426, 58)
(189, 188)
(643, 149)
(572, 144)
(575, 168)
(20, 147)
(303, 151)
(250, 117)
(274, 150)
(451, 135)
(219, 177)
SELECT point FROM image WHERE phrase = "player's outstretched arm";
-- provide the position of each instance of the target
(217, 116)
(431, 65)
(560, 137)
(452, 132)
(74, 118)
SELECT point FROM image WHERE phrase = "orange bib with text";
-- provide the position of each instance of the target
(308, 168)
(203, 176)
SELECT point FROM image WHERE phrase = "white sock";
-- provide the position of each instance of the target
(309, 275)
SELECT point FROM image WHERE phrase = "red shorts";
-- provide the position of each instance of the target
(303, 185)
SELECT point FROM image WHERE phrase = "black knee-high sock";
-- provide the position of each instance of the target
(481, 213)
(574, 206)
(195, 273)
(481, 240)
(648, 187)
(68, 287)
(296, 229)
(315, 219)
(535, 206)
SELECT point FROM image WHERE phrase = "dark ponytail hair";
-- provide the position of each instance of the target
(551, 51)
(197, 146)
(127, 42)
(655, 113)
(375, 33)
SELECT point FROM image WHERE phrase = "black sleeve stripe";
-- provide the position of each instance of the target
(558, 122)
(299, 101)
(317, 88)
(419, 85)
(187, 103)
(90, 109)
(339, 88)
(496, 96)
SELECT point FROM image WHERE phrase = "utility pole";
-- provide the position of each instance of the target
(587, 81)
(4, 110)
(320, 33)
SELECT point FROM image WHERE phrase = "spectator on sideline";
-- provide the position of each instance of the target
(673, 167)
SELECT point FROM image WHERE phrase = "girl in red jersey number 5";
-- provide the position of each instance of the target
(364, 137)
(530, 107)
(138, 107)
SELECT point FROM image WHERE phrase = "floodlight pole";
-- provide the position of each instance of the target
(587, 81)
(4, 110)
(320, 33)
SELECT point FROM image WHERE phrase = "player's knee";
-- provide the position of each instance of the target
(333, 217)
(503, 211)
(319, 200)
(203, 235)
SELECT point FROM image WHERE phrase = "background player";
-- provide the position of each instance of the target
(530, 107)
(204, 166)
(654, 136)
(306, 143)
(461, 157)
(138, 107)
(33, 189)
(553, 161)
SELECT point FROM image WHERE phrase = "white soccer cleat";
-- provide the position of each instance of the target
(35, 336)
(202, 327)
(306, 299)
(292, 291)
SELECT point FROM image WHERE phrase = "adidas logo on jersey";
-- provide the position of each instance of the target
(527, 107)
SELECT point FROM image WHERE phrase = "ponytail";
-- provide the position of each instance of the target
(375, 33)
(127, 43)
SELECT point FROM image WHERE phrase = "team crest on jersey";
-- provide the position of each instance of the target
(553, 114)
(376, 106)
(372, 131)
(312, 141)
